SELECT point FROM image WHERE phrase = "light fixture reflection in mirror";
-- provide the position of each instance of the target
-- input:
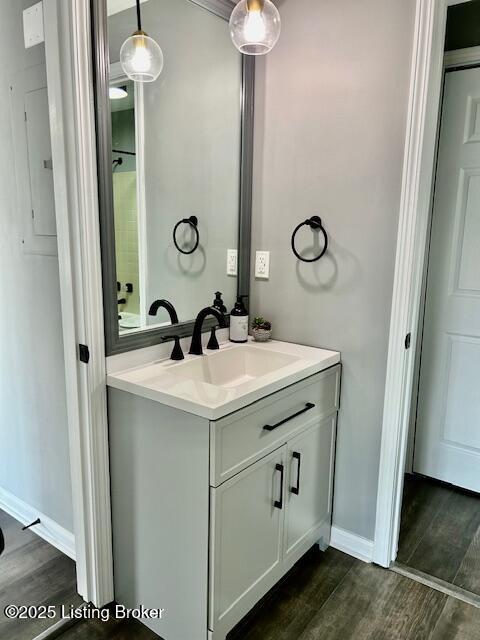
(255, 26)
(117, 93)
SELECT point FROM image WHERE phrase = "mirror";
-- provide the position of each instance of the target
(174, 169)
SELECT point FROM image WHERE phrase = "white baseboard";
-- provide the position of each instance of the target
(352, 544)
(48, 529)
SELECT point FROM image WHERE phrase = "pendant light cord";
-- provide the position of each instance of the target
(139, 17)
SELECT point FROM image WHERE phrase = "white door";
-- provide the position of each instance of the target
(247, 515)
(309, 489)
(448, 419)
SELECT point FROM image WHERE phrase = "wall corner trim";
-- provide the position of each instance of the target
(49, 530)
(352, 544)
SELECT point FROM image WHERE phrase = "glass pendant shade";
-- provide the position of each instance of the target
(255, 26)
(141, 58)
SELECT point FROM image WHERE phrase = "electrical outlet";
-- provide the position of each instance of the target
(262, 265)
(232, 262)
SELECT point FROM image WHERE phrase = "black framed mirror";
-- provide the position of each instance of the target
(174, 168)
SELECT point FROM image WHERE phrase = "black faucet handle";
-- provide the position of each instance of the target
(213, 342)
(177, 353)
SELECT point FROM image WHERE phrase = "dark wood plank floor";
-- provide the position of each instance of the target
(330, 596)
(35, 573)
(440, 532)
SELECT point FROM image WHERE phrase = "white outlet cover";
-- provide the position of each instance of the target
(232, 262)
(262, 265)
(33, 25)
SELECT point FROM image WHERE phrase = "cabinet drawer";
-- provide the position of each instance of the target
(243, 437)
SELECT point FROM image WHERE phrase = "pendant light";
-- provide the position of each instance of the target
(140, 56)
(255, 26)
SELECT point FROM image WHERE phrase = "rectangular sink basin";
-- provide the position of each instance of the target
(234, 367)
(220, 382)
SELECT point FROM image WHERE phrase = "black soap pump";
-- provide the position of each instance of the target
(218, 302)
(239, 322)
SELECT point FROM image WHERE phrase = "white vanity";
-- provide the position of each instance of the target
(222, 474)
(221, 464)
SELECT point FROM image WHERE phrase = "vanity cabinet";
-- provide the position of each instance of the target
(265, 518)
(209, 515)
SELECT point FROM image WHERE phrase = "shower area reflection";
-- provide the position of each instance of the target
(126, 202)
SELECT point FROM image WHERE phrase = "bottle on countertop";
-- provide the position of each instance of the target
(239, 322)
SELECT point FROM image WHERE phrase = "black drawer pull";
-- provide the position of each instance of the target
(271, 427)
(279, 503)
(297, 456)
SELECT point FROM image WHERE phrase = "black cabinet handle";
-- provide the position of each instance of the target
(297, 456)
(279, 503)
(271, 427)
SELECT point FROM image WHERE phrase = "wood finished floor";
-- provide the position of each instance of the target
(35, 573)
(331, 596)
(440, 532)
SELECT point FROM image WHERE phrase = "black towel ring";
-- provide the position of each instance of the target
(193, 222)
(315, 223)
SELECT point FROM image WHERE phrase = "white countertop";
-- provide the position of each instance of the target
(168, 382)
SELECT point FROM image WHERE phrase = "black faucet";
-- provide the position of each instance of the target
(177, 353)
(196, 345)
(166, 305)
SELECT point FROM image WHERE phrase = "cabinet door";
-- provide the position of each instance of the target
(247, 519)
(310, 458)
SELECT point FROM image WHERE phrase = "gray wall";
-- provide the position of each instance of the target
(330, 131)
(34, 457)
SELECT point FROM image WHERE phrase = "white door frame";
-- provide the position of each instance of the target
(415, 207)
(70, 93)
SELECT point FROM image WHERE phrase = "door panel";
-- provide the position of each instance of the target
(309, 487)
(463, 397)
(246, 545)
(448, 417)
(467, 254)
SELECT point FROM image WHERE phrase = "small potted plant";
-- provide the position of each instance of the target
(261, 329)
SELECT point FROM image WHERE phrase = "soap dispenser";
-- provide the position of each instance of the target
(239, 322)
(218, 302)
